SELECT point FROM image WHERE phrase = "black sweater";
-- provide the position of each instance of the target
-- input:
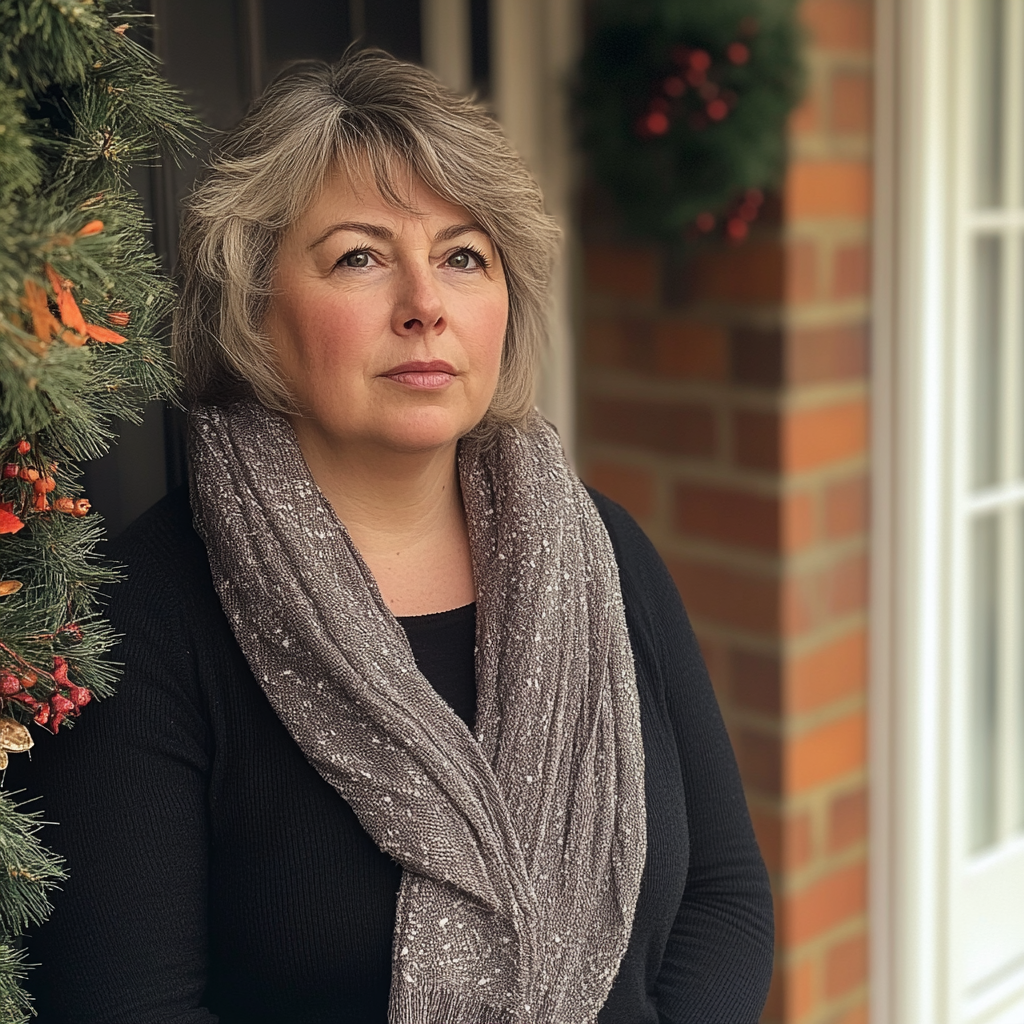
(216, 877)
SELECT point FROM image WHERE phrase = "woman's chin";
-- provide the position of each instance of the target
(427, 430)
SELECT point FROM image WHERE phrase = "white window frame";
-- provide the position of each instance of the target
(919, 558)
(909, 528)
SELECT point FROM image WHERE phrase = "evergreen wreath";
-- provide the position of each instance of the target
(682, 107)
(82, 301)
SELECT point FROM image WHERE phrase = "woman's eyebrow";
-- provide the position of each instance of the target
(453, 231)
(373, 230)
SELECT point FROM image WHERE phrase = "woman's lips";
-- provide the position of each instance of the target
(422, 376)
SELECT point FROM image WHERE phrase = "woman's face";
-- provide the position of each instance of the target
(388, 324)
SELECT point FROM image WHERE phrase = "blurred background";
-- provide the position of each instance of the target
(820, 423)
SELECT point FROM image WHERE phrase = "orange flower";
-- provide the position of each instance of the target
(104, 334)
(94, 227)
(44, 323)
(69, 311)
(9, 522)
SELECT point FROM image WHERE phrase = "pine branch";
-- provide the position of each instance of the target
(82, 309)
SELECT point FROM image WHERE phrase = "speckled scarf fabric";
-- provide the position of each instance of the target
(522, 845)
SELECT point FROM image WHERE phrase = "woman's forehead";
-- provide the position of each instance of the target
(355, 197)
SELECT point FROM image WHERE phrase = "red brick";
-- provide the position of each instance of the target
(846, 508)
(805, 355)
(839, 24)
(801, 272)
(623, 343)
(800, 978)
(785, 842)
(798, 521)
(825, 753)
(815, 355)
(819, 436)
(691, 350)
(843, 587)
(851, 102)
(623, 272)
(727, 515)
(800, 439)
(728, 596)
(824, 904)
(804, 119)
(847, 820)
(817, 189)
(846, 966)
(678, 429)
(851, 272)
(750, 273)
(829, 673)
(757, 356)
(630, 486)
(755, 681)
(800, 605)
(740, 518)
(756, 439)
(759, 756)
(601, 341)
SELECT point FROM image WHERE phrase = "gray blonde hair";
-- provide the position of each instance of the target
(369, 114)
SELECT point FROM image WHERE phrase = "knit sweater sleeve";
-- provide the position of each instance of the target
(127, 941)
(718, 961)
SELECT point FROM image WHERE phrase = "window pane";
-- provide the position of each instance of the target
(984, 681)
(985, 358)
(988, 102)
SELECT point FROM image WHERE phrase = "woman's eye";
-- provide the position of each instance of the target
(464, 260)
(356, 260)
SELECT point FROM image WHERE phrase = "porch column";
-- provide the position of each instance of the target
(723, 400)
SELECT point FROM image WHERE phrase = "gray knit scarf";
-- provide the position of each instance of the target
(522, 845)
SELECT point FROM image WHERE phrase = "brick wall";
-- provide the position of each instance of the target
(723, 400)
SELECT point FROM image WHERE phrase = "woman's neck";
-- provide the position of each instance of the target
(404, 513)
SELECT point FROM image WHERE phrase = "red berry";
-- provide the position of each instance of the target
(9, 684)
(10, 471)
(61, 703)
(60, 671)
(736, 229)
(738, 53)
(24, 447)
(700, 60)
(79, 695)
(718, 110)
(656, 122)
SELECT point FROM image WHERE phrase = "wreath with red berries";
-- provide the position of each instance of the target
(682, 106)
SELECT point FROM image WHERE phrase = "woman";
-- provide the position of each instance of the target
(412, 727)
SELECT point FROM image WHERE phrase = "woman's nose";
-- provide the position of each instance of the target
(419, 307)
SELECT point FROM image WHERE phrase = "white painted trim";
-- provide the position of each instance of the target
(909, 524)
(534, 46)
(446, 42)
